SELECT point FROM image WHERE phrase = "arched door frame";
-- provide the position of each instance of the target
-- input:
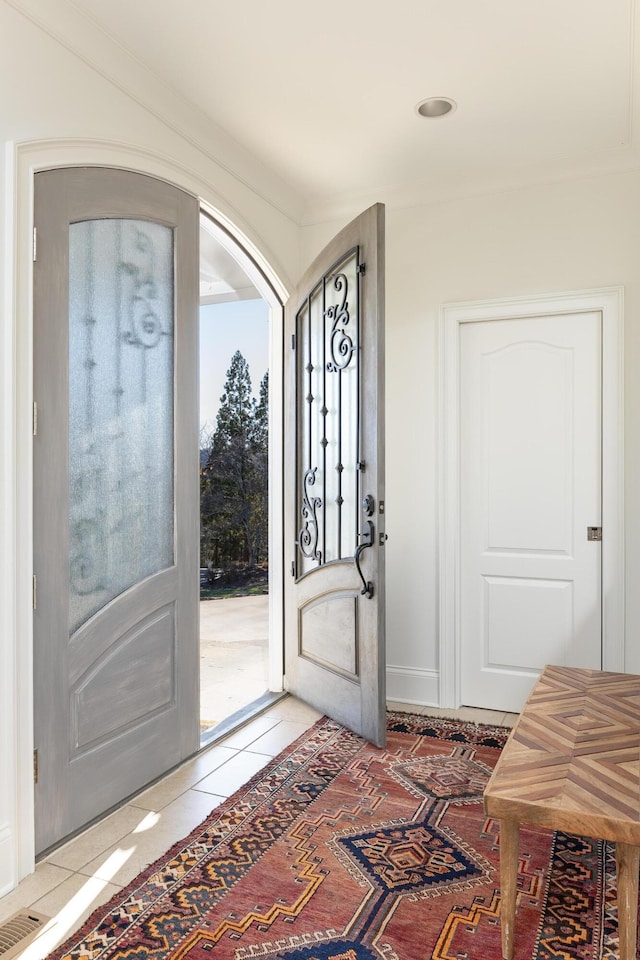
(16, 428)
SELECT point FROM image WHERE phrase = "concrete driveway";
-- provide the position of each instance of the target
(234, 647)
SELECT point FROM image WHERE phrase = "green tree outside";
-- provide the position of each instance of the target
(235, 476)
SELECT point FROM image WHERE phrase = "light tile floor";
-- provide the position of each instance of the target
(88, 870)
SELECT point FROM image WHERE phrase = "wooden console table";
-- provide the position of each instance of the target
(572, 763)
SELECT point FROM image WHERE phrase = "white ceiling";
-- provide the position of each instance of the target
(323, 95)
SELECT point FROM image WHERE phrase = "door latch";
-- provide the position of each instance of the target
(594, 533)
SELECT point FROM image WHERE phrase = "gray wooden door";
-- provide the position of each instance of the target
(116, 490)
(334, 481)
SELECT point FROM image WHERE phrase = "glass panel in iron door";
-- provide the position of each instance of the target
(327, 417)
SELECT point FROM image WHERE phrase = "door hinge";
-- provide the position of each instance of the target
(293, 341)
(35, 244)
(594, 533)
(34, 592)
(35, 419)
(361, 466)
(293, 568)
(35, 766)
(362, 268)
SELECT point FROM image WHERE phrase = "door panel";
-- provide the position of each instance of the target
(116, 490)
(334, 615)
(530, 487)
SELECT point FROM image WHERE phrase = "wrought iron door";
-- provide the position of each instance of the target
(116, 490)
(334, 598)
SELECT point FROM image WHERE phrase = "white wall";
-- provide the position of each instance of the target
(50, 93)
(569, 236)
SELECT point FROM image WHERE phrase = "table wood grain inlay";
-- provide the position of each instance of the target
(572, 763)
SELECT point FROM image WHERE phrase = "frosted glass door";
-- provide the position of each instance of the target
(116, 501)
(121, 517)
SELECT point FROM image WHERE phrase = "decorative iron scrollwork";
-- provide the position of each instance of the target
(83, 572)
(308, 538)
(342, 346)
(145, 326)
(328, 399)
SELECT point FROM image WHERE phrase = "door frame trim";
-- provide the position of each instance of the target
(609, 302)
(23, 161)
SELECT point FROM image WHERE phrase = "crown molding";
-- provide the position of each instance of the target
(341, 207)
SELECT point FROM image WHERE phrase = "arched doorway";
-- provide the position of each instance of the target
(240, 432)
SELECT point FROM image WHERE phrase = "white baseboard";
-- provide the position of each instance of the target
(411, 685)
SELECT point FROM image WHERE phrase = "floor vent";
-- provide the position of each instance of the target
(18, 931)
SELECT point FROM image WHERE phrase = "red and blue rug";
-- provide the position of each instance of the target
(343, 851)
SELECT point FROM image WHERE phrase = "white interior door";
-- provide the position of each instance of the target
(115, 490)
(530, 455)
(334, 481)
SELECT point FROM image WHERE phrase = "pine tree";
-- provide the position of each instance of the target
(260, 452)
(237, 406)
(234, 483)
(261, 418)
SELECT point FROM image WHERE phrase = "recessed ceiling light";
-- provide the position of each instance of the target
(435, 107)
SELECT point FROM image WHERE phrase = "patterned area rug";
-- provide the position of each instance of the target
(342, 851)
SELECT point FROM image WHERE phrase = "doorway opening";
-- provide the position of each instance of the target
(234, 357)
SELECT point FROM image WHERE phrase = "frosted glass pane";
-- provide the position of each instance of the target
(327, 417)
(121, 517)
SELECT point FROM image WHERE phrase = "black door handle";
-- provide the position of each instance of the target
(367, 541)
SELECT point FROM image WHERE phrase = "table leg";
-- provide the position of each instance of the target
(509, 842)
(627, 864)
